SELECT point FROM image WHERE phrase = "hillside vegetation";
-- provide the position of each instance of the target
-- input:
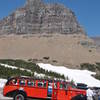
(9, 72)
(93, 68)
(34, 68)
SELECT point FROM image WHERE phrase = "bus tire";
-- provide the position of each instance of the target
(79, 97)
(19, 96)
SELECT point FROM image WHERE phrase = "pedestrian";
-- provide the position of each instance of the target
(89, 93)
(99, 94)
(95, 94)
(99, 98)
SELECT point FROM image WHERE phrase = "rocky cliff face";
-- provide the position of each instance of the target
(39, 17)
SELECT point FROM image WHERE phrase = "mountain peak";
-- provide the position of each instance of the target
(33, 2)
(38, 17)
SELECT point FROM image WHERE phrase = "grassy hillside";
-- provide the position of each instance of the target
(8, 72)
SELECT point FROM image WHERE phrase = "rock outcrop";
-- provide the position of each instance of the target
(39, 17)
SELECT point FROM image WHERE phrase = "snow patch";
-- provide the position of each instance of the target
(14, 67)
(39, 75)
(2, 82)
(79, 76)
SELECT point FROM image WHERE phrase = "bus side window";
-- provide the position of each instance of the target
(13, 82)
(45, 84)
(63, 86)
(55, 85)
(22, 82)
(40, 84)
(31, 83)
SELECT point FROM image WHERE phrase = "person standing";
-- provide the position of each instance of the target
(89, 93)
(99, 94)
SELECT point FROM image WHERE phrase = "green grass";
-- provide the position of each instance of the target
(26, 65)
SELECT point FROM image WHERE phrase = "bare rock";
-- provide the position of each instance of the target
(39, 17)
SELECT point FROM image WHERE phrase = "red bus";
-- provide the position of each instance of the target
(21, 88)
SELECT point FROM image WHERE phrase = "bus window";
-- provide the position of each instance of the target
(22, 82)
(13, 82)
(55, 85)
(45, 84)
(71, 85)
(31, 83)
(40, 84)
(63, 86)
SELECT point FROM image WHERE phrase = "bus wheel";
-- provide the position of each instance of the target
(79, 97)
(19, 97)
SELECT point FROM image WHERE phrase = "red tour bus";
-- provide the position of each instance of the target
(21, 88)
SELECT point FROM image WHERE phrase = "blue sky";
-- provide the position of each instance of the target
(87, 12)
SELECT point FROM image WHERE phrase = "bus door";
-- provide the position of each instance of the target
(61, 92)
(49, 89)
(55, 90)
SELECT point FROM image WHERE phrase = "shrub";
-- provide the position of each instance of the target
(88, 66)
(46, 58)
(30, 66)
(97, 76)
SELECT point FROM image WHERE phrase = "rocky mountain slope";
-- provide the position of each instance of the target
(38, 17)
(97, 40)
(49, 33)
(55, 49)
